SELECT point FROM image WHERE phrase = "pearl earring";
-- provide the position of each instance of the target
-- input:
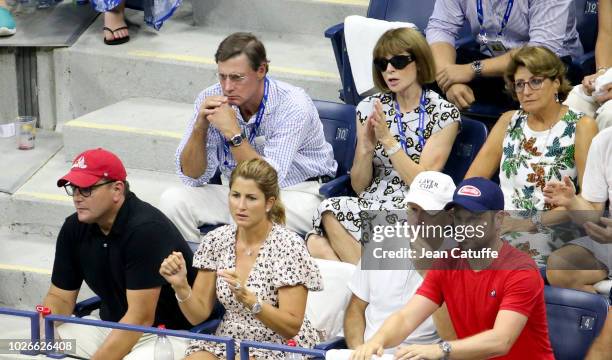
(267, 210)
(557, 97)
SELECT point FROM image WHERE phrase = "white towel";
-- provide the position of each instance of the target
(600, 82)
(344, 354)
(360, 36)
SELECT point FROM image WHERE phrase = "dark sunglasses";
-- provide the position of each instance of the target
(84, 191)
(398, 61)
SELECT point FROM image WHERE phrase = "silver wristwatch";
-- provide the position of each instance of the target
(446, 349)
(236, 140)
(477, 67)
(256, 308)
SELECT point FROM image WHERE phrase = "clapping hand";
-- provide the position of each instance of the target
(559, 193)
(379, 122)
(240, 291)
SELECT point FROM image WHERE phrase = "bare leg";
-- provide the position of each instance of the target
(345, 246)
(575, 267)
(319, 247)
(115, 19)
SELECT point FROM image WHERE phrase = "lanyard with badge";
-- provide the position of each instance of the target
(420, 129)
(258, 118)
(496, 46)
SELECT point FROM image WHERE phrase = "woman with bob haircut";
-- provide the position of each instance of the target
(542, 141)
(401, 131)
(260, 271)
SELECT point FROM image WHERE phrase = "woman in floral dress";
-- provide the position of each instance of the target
(543, 141)
(260, 271)
(401, 131)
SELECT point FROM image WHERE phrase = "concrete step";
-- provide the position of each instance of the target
(26, 261)
(40, 207)
(176, 64)
(19, 165)
(143, 132)
(310, 17)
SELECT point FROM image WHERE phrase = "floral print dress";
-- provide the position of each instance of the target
(530, 159)
(387, 190)
(282, 261)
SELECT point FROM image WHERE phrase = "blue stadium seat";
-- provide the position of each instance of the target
(467, 144)
(339, 129)
(575, 318)
(586, 18)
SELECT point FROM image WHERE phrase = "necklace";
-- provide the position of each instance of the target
(248, 251)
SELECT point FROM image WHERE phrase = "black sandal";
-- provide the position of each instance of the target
(116, 41)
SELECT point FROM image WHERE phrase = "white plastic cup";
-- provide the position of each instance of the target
(25, 131)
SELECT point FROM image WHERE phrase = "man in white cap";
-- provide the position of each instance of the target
(377, 294)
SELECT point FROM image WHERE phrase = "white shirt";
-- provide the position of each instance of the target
(597, 179)
(386, 291)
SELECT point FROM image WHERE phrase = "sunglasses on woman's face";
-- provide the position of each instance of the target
(398, 61)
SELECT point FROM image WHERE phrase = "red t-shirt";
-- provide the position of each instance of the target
(474, 298)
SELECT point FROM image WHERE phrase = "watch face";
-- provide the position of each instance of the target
(446, 347)
(236, 140)
(256, 308)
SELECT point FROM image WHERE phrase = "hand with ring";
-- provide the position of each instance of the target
(241, 293)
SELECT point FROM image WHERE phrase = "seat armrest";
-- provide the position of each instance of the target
(87, 306)
(337, 187)
(334, 30)
(206, 327)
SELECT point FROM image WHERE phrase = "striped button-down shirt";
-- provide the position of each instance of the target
(290, 138)
(549, 23)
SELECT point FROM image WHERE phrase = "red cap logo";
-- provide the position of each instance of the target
(469, 190)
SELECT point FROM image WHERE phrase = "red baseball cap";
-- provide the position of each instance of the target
(91, 166)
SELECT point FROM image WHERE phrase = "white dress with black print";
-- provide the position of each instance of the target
(387, 190)
(282, 261)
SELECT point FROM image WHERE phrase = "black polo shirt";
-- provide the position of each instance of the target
(128, 258)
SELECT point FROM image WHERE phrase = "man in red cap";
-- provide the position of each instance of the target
(114, 242)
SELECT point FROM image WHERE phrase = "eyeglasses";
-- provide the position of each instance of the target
(235, 78)
(398, 61)
(84, 191)
(535, 83)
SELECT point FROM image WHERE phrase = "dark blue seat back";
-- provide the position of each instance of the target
(414, 11)
(575, 318)
(586, 23)
(339, 128)
(467, 144)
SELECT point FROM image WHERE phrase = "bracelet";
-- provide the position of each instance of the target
(602, 69)
(185, 299)
(394, 149)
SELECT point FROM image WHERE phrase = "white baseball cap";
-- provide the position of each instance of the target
(431, 190)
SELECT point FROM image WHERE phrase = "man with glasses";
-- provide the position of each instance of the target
(248, 115)
(114, 242)
(495, 302)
